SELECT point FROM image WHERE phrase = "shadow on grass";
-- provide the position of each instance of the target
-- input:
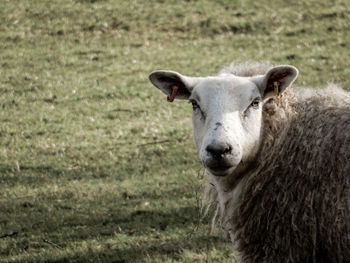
(71, 223)
(172, 249)
(123, 236)
(62, 223)
(150, 234)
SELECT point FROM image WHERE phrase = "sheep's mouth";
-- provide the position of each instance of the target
(220, 166)
(220, 169)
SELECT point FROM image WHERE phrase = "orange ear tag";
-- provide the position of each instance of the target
(173, 93)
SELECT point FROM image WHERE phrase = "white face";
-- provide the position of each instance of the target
(227, 113)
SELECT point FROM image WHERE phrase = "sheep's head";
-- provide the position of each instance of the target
(227, 112)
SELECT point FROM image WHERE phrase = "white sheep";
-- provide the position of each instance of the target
(277, 160)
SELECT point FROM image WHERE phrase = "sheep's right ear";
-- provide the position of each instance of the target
(165, 80)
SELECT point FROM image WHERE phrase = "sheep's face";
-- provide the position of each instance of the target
(226, 122)
(227, 113)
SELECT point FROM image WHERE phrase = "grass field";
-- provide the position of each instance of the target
(95, 166)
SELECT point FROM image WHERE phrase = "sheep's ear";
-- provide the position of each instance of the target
(165, 80)
(276, 80)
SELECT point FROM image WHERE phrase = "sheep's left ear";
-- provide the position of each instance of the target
(276, 80)
(166, 80)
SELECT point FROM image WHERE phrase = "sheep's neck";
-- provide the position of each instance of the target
(228, 189)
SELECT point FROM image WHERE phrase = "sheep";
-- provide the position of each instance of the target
(276, 158)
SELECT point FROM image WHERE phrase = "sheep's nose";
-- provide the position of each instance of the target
(218, 151)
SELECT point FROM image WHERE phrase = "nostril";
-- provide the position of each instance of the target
(228, 149)
(210, 149)
(219, 150)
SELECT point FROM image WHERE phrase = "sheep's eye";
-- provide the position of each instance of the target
(255, 103)
(195, 105)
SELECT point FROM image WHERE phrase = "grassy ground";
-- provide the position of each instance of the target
(95, 166)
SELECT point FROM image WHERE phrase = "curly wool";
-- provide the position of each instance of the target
(294, 204)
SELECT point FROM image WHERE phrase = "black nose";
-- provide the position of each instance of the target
(219, 150)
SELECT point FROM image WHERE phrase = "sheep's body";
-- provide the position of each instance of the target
(293, 203)
(278, 167)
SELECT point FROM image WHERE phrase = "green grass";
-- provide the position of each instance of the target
(95, 166)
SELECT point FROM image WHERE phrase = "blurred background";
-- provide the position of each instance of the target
(95, 165)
